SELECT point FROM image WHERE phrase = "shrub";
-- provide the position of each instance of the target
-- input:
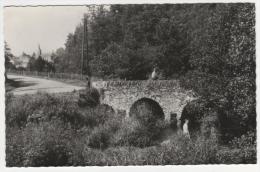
(134, 133)
(14, 147)
(107, 123)
(89, 97)
(99, 138)
(17, 111)
(204, 84)
(46, 144)
(241, 107)
(236, 156)
(179, 151)
(233, 94)
(239, 151)
(182, 150)
(43, 144)
(97, 115)
(44, 106)
(8, 97)
(55, 143)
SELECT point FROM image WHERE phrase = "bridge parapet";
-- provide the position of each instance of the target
(173, 84)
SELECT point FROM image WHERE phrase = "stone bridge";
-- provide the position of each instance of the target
(121, 95)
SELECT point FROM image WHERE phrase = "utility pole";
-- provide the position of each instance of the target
(85, 70)
(83, 50)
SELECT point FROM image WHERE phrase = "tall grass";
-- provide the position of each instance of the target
(65, 134)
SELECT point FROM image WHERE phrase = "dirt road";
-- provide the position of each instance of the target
(30, 85)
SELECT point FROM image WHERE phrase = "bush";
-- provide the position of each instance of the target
(89, 98)
(241, 108)
(102, 135)
(17, 111)
(64, 136)
(14, 147)
(98, 115)
(240, 151)
(42, 106)
(57, 144)
(104, 122)
(179, 151)
(44, 144)
(134, 133)
(99, 138)
(233, 96)
(204, 84)
(138, 137)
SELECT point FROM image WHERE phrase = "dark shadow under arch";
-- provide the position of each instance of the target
(146, 109)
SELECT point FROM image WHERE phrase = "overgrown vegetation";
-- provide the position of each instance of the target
(51, 130)
(209, 47)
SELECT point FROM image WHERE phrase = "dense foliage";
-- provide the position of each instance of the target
(127, 41)
(39, 64)
(8, 57)
(210, 48)
(65, 135)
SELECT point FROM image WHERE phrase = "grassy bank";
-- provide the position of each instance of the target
(52, 130)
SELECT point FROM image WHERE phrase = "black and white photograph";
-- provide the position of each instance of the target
(135, 84)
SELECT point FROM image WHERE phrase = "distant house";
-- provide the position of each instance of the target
(47, 57)
(12, 61)
(21, 61)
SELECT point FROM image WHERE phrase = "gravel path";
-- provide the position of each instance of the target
(30, 85)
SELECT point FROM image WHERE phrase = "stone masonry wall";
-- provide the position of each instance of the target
(122, 94)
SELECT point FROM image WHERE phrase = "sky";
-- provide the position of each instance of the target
(27, 27)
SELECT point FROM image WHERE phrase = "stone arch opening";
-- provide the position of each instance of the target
(146, 110)
(201, 118)
(190, 118)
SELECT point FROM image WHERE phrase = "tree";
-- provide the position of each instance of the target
(241, 57)
(223, 63)
(31, 63)
(8, 57)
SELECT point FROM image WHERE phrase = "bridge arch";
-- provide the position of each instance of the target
(146, 108)
(122, 95)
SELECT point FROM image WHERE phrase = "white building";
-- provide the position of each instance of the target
(22, 61)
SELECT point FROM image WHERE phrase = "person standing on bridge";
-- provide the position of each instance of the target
(154, 75)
